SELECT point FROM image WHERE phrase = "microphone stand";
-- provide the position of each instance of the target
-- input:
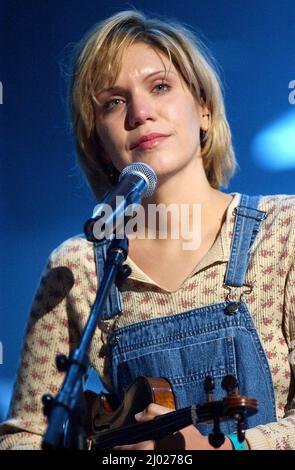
(69, 405)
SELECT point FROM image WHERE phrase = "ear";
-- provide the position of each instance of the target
(204, 118)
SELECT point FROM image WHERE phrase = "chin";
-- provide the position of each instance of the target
(162, 165)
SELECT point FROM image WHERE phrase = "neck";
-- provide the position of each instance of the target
(188, 186)
(189, 193)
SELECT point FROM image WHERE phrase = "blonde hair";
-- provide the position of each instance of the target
(98, 60)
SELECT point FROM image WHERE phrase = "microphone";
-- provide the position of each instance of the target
(136, 181)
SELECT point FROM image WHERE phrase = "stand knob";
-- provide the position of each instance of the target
(47, 401)
(62, 363)
(123, 272)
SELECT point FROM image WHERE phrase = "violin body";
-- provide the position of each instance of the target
(104, 413)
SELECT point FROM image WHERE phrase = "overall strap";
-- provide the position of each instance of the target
(247, 224)
(114, 305)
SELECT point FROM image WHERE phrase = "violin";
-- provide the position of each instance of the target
(109, 424)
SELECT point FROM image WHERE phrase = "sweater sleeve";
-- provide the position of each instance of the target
(51, 330)
(281, 435)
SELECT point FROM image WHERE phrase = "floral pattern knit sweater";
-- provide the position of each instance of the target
(67, 291)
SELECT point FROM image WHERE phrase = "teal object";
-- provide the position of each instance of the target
(235, 442)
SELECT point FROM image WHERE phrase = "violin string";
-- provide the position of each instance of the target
(154, 429)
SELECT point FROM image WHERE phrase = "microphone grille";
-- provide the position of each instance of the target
(144, 171)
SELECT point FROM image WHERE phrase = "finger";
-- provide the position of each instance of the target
(151, 412)
(144, 445)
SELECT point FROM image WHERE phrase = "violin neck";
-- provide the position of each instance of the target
(155, 429)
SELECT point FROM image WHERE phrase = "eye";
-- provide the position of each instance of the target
(113, 103)
(162, 87)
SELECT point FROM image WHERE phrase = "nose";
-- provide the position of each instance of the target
(140, 110)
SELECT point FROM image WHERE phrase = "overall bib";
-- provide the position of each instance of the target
(215, 340)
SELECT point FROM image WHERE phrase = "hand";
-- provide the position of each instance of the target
(188, 438)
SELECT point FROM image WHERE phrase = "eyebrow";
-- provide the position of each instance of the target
(113, 89)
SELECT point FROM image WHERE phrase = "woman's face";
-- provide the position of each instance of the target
(149, 115)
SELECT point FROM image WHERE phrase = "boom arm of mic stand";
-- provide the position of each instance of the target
(66, 403)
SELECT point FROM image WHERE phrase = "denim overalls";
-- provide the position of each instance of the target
(214, 340)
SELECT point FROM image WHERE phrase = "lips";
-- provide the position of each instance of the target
(148, 141)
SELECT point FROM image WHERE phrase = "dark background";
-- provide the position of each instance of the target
(44, 199)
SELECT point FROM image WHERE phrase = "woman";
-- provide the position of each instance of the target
(143, 90)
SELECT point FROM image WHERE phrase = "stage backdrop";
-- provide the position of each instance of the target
(44, 200)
